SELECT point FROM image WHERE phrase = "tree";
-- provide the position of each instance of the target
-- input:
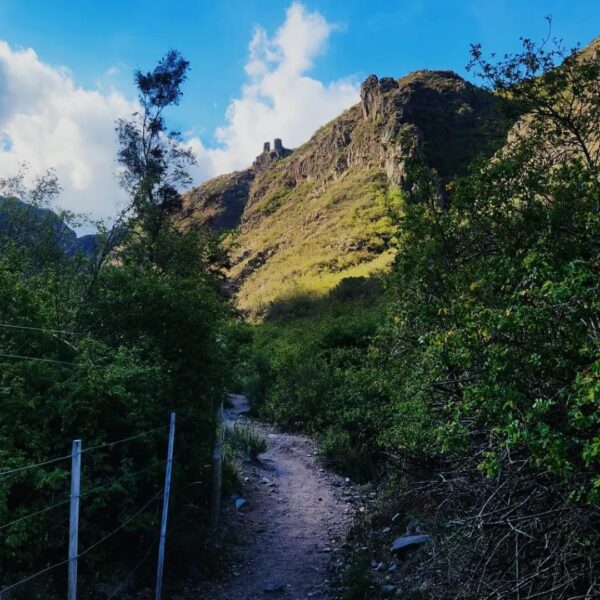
(556, 88)
(495, 342)
(154, 162)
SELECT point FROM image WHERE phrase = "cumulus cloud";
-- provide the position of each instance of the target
(49, 121)
(279, 99)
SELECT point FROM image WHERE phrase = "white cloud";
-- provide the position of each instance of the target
(48, 120)
(279, 98)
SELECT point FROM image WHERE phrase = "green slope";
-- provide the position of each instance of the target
(301, 221)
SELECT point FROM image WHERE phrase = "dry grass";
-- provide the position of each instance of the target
(309, 242)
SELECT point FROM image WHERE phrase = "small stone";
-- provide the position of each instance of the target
(239, 502)
(407, 543)
(388, 589)
(274, 588)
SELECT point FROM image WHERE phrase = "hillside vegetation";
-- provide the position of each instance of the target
(467, 390)
(306, 219)
(417, 287)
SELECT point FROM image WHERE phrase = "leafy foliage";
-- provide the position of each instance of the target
(103, 349)
(306, 371)
(476, 387)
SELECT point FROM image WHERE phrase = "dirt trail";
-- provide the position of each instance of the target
(295, 514)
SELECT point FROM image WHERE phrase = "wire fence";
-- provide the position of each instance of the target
(56, 334)
(42, 329)
(37, 359)
(86, 550)
(75, 553)
(89, 492)
(33, 466)
(74, 499)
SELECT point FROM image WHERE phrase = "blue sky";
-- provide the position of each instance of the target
(386, 37)
(328, 46)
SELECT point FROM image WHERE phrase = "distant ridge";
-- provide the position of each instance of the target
(29, 220)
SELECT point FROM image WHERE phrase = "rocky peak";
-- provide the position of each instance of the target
(438, 107)
(322, 202)
(373, 95)
(267, 156)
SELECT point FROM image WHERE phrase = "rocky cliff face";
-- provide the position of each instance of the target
(218, 203)
(311, 216)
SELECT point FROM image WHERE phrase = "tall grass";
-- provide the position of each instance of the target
(245, 441)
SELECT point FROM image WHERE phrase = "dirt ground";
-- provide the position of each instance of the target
(288, 531)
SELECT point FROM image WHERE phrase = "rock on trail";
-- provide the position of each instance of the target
(294, 517)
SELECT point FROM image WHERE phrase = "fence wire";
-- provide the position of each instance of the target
(87, 550)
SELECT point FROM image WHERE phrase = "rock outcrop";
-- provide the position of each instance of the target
(435, 115)
(268, 156)
(374, 96)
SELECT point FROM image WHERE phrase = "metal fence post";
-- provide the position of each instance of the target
(165, 510)
(74, 517)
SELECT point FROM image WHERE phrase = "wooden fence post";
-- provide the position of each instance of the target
(217, 470)
(74, 517)
(165, 510)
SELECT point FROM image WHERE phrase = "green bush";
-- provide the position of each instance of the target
(146, 341)
(314, 374)
(342, 451)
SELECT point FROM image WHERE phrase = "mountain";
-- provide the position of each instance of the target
(592, 50)
(22, 221)
(305, 219)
